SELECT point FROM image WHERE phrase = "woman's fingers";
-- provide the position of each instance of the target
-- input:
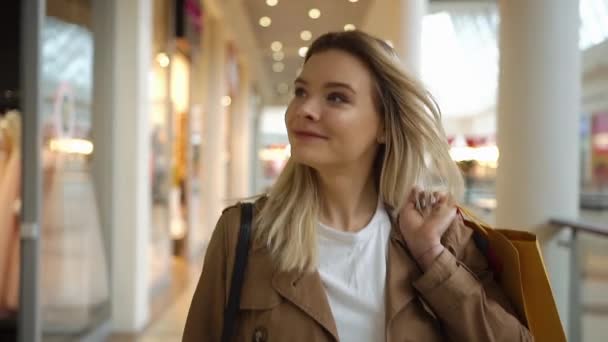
(424, 203)
(428, 203)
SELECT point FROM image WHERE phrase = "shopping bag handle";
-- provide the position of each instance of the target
(477, 223)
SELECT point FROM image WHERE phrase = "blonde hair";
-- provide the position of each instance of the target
(415, 153)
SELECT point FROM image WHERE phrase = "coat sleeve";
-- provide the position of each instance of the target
(206, 314)
(460, 289)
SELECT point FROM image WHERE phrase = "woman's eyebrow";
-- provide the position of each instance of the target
(339, 85)
(331, 84)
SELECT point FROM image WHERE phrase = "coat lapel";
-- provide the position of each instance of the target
(400, 272)
(306, 291)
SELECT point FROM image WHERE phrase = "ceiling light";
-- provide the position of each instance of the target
(353, 0)
(314, 13)
(283, 88)
(272, 3)
(349, 27)
(265, 21)
(276, 46)
(226, 101)
(278, 67)
(163, 60)
(71, 146)
(302, 51)
(306, 35)
(278, 56)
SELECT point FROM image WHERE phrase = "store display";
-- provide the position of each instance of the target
(273, 158)
(599, 150)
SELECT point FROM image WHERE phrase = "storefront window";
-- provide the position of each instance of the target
(74, 276)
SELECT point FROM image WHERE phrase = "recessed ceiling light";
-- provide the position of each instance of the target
(353, 0)
(390, 43)
(163, 60)
(302, 51)
(278, 56)
(265, 21)
(283, 88)
(276, 46)
(314, 13)
(226, 101)
(272, 3)
(306, 35)
(349, 27)
(278, 67)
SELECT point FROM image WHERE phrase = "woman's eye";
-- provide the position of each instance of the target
(299, 92)
(337, 98)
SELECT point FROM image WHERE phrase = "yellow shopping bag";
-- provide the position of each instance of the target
(517, 261)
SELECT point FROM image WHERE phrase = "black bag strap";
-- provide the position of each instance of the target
(238, 272)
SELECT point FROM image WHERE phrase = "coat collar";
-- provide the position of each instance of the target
(306, 291)
(400, 271)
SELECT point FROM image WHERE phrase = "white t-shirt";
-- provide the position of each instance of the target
(353, 270)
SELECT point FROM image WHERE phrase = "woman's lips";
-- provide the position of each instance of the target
(308, 135)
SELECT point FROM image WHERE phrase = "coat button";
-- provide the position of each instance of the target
(260, 334)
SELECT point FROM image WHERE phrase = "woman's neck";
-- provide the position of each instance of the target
(348, 199)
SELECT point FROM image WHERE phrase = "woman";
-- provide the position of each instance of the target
(351, 244)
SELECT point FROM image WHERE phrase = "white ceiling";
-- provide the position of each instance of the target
(289, 18)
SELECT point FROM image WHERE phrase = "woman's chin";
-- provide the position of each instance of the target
(306, 159)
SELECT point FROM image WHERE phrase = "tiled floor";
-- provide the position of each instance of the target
(170, 324)
(169, 327)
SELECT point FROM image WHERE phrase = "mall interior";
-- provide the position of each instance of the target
(126, 126)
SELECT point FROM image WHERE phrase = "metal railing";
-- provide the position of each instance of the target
(575, 311)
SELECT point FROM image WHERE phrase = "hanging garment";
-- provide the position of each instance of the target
(11, 295)
(4, 231)
(74, 265)
(9, 196)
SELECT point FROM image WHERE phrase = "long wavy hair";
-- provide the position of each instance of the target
(415, 153)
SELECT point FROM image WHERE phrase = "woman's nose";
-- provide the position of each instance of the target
(309, 110)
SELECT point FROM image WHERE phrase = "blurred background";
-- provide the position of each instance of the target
(126, 126)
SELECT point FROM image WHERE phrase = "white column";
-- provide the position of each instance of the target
(240, 133)
(214, 126)
(409, 37)
(538, 120)
(399, 21)
(103, 118)
(122, 95)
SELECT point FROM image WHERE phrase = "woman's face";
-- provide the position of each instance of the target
(332, 120)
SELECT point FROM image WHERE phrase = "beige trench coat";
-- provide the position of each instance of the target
(455, 300)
